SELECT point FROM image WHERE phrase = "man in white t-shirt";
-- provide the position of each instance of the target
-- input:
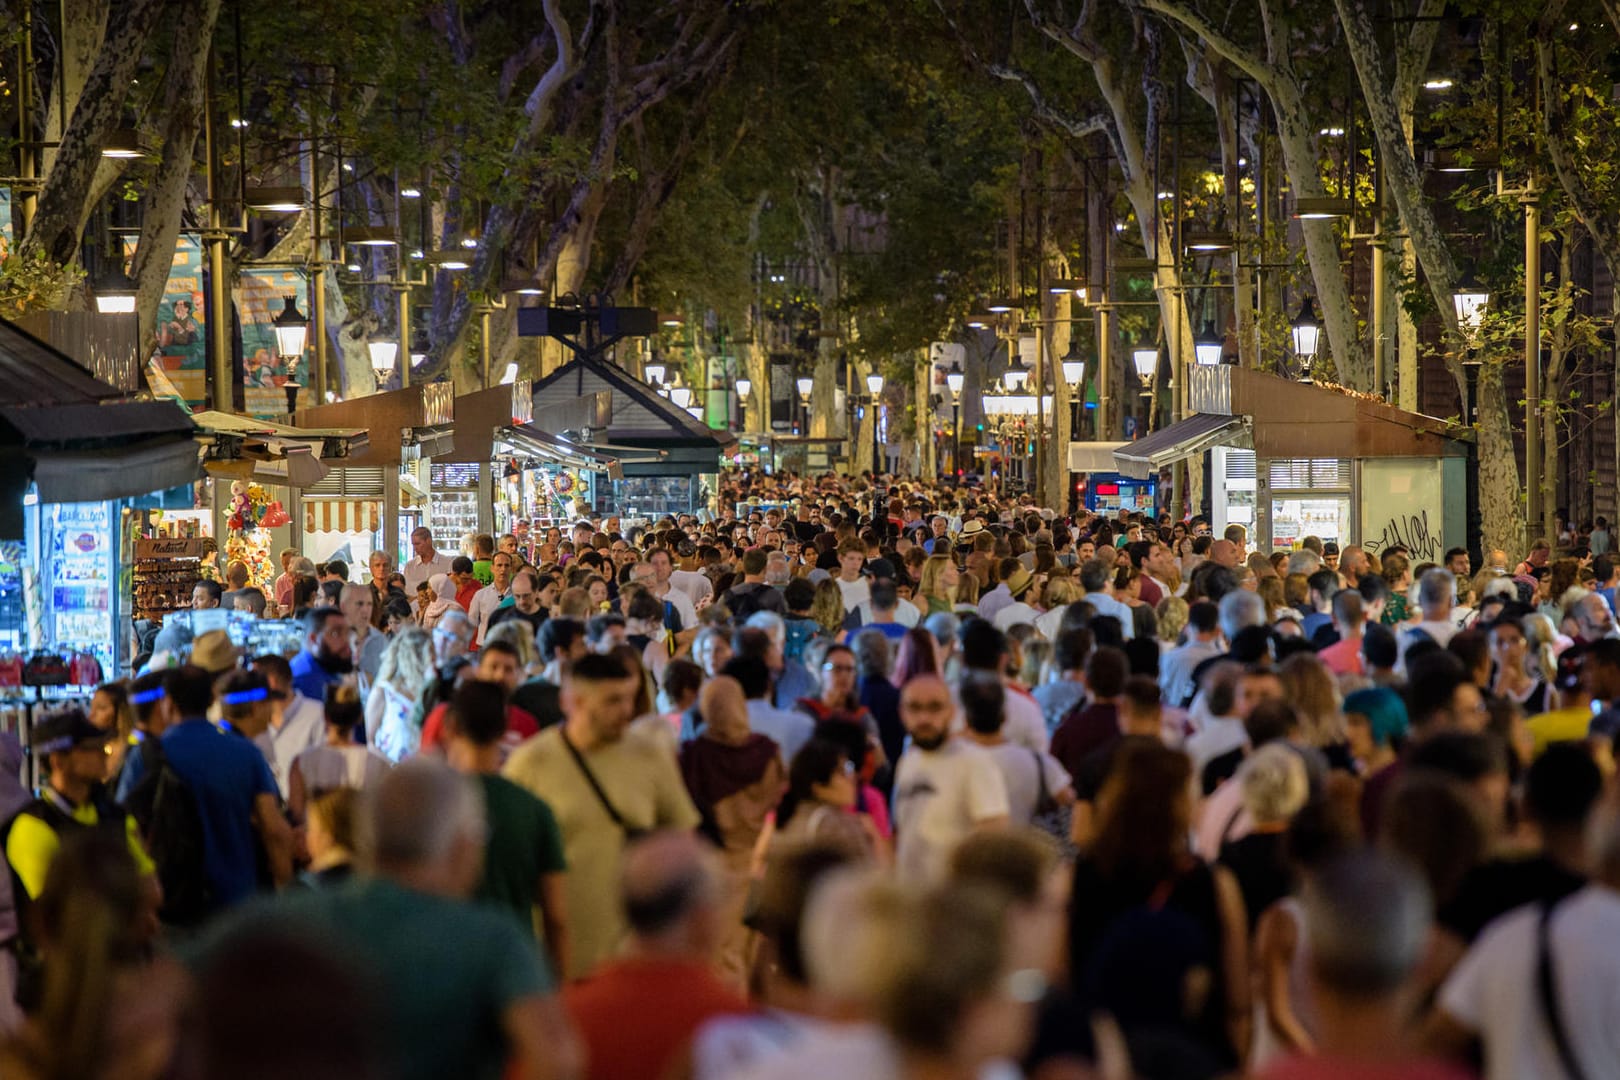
(984, 648)
(1493, 994)
(944, 788)
(643, 573)
(1436, 593)
(1027, 773)
(428, 561)
(851, 561)
(487, 599)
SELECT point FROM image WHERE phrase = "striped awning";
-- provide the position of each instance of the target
(342, 515)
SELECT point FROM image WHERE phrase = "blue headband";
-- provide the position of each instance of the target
(146, 697)
(246, 697)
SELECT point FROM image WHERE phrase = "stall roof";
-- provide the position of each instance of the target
(1183, 439)
(32, 373)
(543, 444)
(385, 417)
(640, 415)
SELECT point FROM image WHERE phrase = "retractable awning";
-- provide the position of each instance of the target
(1183, 439)
(535, 442)
(1093, 457)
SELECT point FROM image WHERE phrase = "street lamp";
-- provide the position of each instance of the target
(384, 356)
(1016, 374)
(954, 379)
(874, 385)
(1307, 331)
(1000, 305)
(1207, 346)
(655, 373)
(1074, 373)
(1470, 298)
(115, 294)
(292, 330)
(681, 396)
(1145, 357)
(805, 384)
(744, 388)
(1064, 286)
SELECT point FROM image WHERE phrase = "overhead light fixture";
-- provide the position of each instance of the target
(655, 373)
(275, 200)
(1307, 208)
(238, 123)
(1015, 376)
(292, 330)
(1332, 132)
(418, 254)
(448, 260)
(384, 357)
(1437, 84)
(115, 293)
(1469, 298)
(1063, 286)
(805, 385)
(1205, 241)
(469, 242)
(410, 193)
(874, 384)
(1307, 332)
(123, 143)
(353, 268)
(1208, 345)
(744, 388)
(1449, 160)
(981, 320)
(370, 236)
(681, 396)
(1001, 305)
(1145, 358)
(954, 378)
(671, 320)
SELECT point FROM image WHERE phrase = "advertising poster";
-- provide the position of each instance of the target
(80, 584)
(182, 331)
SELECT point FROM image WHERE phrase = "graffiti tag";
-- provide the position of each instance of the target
(1411, 532)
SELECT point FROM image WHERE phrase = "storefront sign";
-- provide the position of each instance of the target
(169, 547)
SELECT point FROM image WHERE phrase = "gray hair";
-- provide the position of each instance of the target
(777, 570)
(872, 653)
(417, 813)
(943, 625)
(1368, 916)
(1241, 609)
(1436, 588)
(771, 623)
(1304, 561)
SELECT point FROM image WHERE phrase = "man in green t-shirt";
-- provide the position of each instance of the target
(483, 558)
(523, 857)
(460, 989)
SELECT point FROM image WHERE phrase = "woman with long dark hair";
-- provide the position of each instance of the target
(1140, 887)
(820, 801)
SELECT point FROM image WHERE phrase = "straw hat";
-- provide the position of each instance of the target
(214, 653)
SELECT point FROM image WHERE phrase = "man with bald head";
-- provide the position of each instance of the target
(673, 895)
(1225, 553)
(1352, 564)
(944, 788)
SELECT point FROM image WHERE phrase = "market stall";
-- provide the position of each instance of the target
(1097, 484)
(75, 455)
(669, 459)
(1292, 459)
(382, 491)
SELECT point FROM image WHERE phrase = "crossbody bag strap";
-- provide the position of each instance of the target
(1043, 798)
(590, 778)
(1547, 988)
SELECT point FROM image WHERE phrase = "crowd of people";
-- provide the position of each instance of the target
(862, 777)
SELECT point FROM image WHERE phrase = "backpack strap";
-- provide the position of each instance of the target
(1547, 990)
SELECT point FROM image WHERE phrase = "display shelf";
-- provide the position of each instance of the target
(166, 571)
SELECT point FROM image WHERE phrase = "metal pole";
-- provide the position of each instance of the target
(27, 145)
(219, 316)
(1532, 353)
(956, 434)
(317, 275)
(483, 343)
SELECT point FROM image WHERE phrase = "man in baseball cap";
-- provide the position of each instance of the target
(74, 752)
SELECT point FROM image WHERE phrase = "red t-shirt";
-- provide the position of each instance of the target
(636, 1014)
(520, 724)
(465, 593)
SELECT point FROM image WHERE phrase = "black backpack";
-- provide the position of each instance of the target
(165, 808)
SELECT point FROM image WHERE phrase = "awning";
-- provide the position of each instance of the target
(535, 442)
(1093, 457)
(294, 467)
(325, 442)
(136, 469)
(93, 423)
(1183, 439)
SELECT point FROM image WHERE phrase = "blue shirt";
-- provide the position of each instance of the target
(309, 677)
(225, 774)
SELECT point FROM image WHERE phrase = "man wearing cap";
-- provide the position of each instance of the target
(73, 799)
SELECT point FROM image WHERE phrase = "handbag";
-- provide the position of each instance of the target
(631, 833)
(1049, 817)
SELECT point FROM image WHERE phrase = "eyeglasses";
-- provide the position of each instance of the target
(838, 667)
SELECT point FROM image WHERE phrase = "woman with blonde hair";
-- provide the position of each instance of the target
(520, 635)
(1172, 620)
(1271, 592)
(937, 583)
(1060, 593)
(967, 594)
(827, 609)
(405, 672)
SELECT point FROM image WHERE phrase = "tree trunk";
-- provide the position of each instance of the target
(1501, 510)
(64, 201)
(81, 37)
(163, 200)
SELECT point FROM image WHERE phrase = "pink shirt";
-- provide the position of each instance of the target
(1343, 657)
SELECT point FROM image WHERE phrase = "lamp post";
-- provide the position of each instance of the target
(804, 384)
(384, 355)
(1074, 373)
(874, 386)
(745, 387)
(953, 380)
(1307, 334)
(1145, 358)
(1207, 346)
